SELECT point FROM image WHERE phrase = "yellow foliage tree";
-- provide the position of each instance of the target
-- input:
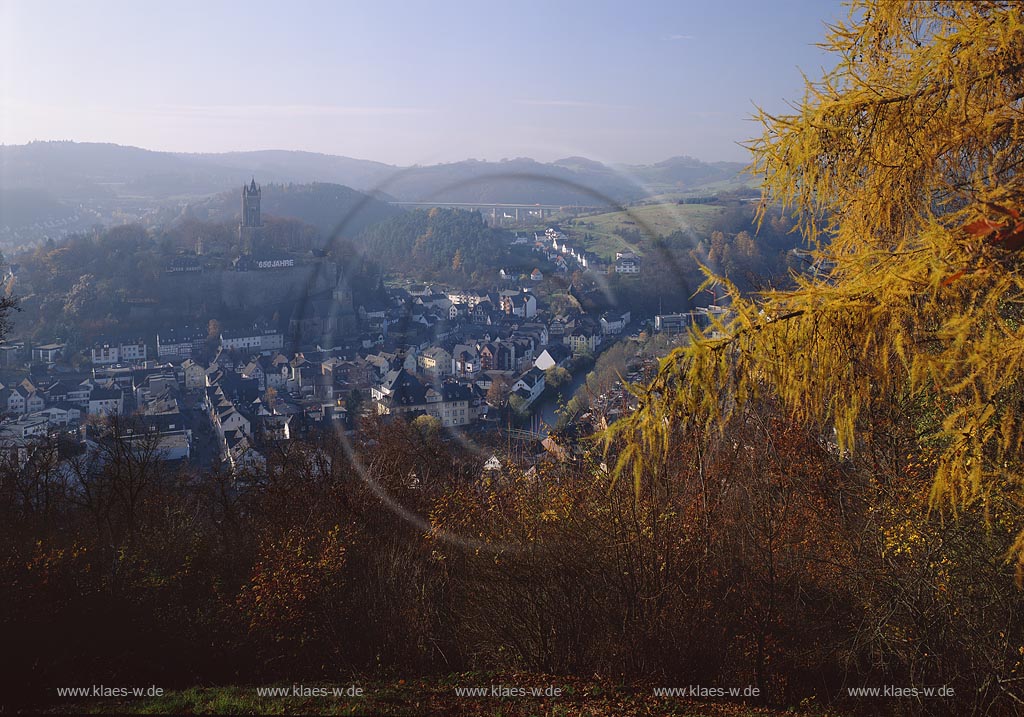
(903, 169)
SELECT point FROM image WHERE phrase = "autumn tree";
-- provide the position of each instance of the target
(8, 305)
(213, 330)
(556, 376)
(498, 392)
(518, 404)
(427, 426)
(901, 167)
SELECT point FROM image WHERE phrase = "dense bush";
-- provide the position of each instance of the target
(757, 557)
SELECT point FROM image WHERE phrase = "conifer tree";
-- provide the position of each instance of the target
(902, 168)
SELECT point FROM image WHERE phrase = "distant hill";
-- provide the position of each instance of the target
(67, 186)
(74, 170)
(581, 164)
(301, 167)
(515, 181)
(684, 173)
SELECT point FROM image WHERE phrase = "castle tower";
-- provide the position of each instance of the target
(344, 310)
(249, 229)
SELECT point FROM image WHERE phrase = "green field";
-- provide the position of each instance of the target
(670, 194)
(433, 696)
(652, 220)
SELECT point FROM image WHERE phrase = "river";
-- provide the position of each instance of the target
(546, 408)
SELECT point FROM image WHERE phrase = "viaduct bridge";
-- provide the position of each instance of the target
(505, 214)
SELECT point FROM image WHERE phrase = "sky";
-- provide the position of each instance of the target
(410, 82)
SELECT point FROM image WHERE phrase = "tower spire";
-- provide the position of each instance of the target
(251, 222)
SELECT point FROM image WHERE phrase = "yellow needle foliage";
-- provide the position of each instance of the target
(903, 169)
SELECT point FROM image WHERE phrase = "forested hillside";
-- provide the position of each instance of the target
(99, 282)
(437, 242)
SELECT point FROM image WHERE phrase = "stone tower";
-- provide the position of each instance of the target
(249, 229)
(344, 308)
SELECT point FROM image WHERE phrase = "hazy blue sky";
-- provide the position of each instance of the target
(407, 82)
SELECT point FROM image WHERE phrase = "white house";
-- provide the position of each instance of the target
(582, 341)
(102, 354)
(458, 310)
(435, 361)
(470, 298)
(23, 399)
(59, 416)
(195, 375)
(182, 342)
(277, 371)
(555, 355)
(112, 352)
(532, 383)
(232, 420)
(239, 452)
(133, 351)
(14, 402)
(614, 322)
(79, 395)
(522, 305)
(251, 338)
(106, 401)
